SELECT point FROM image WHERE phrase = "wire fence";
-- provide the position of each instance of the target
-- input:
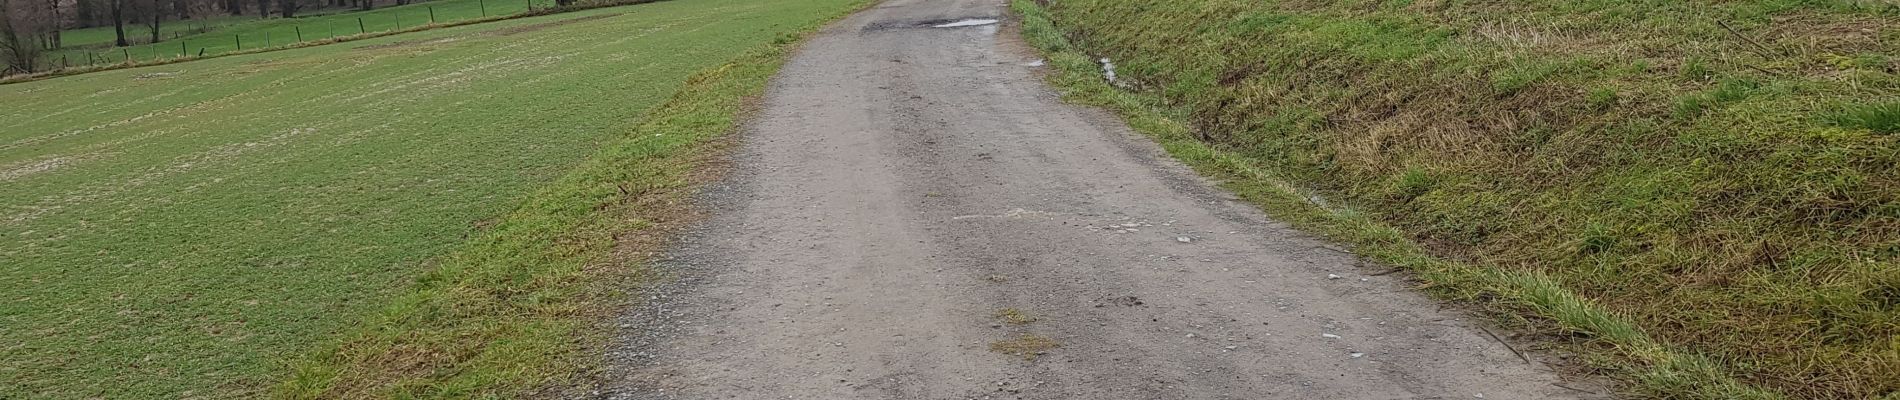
(203, 40)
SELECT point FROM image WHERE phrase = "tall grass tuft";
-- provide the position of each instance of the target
(1881, 118)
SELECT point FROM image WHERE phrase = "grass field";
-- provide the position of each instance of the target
(226, 33)
(220, 228)
(102, 36)
(1704, 196)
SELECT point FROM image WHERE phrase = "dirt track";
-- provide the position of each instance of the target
(904, 184)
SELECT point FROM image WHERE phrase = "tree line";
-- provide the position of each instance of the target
(30, 28)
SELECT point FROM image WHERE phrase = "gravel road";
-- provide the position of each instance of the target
(914, 215)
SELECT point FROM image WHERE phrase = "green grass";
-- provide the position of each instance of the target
(1882, 118)
(396, 217)
(225, 34)
(1705, 216)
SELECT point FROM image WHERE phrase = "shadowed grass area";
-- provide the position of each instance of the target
(1703, 195)
(397, 217)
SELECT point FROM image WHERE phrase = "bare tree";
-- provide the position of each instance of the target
(50, 38)
(118, 20)
(22, 24)
(288, 8)
(153, 13)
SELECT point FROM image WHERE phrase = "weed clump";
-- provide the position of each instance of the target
(1014, 317)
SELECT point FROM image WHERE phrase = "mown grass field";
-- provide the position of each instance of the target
(1705, 196)
(224, 34)
(322, 222)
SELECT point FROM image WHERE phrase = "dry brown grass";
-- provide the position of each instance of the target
(1014, 317)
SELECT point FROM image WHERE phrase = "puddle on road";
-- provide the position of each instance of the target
(966, 22)
(987, 22)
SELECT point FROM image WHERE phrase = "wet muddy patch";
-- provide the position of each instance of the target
(936, 23)
(967, 22)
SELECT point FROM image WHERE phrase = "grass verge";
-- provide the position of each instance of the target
(1611, 339)
(513, 310)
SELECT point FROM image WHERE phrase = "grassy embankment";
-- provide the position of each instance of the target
(409, 216)
(1704, 197)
